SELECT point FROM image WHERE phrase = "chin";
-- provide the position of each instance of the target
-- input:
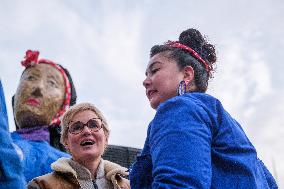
(89, 156)
(26, 119)
(154, 104)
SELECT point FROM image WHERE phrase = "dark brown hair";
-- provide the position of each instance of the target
(191, 38)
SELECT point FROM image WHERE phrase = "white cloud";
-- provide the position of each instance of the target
(260, 75)
(102, 43)
(119, 44)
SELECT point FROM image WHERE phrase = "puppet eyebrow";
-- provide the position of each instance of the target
(34, 72)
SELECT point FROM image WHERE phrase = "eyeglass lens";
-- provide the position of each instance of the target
(94, 124)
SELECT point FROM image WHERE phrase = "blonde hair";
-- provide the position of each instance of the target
(70, 113)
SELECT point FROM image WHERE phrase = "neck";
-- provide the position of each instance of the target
(92, 165)
(40, 133)
(191, 87)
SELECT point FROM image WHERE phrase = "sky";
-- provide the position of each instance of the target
(105, 46)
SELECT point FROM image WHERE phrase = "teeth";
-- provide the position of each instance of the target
(85, 143)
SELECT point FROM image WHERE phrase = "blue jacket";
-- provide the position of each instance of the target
(11, 173)
(192, 142)
(37, 156)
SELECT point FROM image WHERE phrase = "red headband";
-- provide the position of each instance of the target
(31, 59)
(177, 44)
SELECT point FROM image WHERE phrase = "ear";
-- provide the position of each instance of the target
(106, 145)
(106, 140)
(188, 74)
(66, 146)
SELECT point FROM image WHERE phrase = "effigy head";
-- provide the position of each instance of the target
(44, 93)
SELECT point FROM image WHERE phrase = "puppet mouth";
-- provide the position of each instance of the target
(33, 102)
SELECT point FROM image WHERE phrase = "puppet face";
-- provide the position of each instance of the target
(39, 96)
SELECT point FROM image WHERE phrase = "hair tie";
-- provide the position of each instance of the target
(194, 54)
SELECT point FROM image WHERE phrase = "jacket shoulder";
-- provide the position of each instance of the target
(116, 173)
(52, 180)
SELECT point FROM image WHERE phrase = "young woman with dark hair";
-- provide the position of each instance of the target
(192, 142)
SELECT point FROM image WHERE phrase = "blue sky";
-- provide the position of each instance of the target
(105, 45)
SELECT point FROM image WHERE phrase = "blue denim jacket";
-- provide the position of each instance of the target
(192, 142)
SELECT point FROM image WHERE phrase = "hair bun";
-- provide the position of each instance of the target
(209, 53)
(194, 39)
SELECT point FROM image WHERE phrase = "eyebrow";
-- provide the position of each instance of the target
(34, 72)
(151, 66)
(88, 120)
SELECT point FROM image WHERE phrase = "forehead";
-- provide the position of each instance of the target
(44, 69)
(159, 59)
(84, 115)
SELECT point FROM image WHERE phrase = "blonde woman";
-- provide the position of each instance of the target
(85, 134)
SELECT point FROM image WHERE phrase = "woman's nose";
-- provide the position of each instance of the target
(86, 130)
(146, 82)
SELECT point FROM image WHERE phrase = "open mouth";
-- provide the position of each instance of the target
(87, 143)
(150, 93)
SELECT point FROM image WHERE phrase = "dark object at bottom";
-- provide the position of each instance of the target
(121, 155)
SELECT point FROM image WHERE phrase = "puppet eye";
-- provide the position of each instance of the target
(31, 78)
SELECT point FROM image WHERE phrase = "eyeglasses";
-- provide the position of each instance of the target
(93, 124)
